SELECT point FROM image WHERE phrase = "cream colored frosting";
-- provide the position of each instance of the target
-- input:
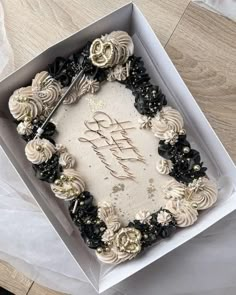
(143, 216)
(61, 148)
(46, 88)
(123, 39)
(174, 190)
(111, 49)
(163, 217)
(108, 235)
(203, 193)
(108, 215)
(167, 119)
(25, 128)
(23, 104)
(69, 185)
(39, 150)
(66, 160)
(183, 212)
(145, 122)
(119, 73)
(114, 256)
(170, 136)
(92, 86)
(164, 166)
(83, 86)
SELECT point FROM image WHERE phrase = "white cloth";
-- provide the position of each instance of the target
(224, 7)
(204, 266)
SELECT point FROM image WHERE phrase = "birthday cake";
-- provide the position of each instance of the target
(108, 144)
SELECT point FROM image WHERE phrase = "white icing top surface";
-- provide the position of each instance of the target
(116, 185)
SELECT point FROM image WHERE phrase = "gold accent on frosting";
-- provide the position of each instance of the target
(39, 150)
(203, 192)
(69, 186)
(111, 49)
(23, 104)
(128, 240)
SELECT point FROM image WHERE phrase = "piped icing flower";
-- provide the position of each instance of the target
(66, 160)
(183, 211)
(119, 73)
(108, 215)
(167, 119)
(25, 128)
(202, 192)
(145, 122)
(164, 166)
(39, 150)
(69, 186)
(174, 190)
(108, 235)
(143, 216)
(23, 104)
(46, 89)
(164, 217)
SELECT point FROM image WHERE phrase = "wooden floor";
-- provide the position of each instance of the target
(202, 45)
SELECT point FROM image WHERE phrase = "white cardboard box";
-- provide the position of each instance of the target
(130, 19)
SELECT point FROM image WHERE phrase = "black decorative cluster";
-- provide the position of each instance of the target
(149, 99)
(49, 131)
(84, 215)
(48, 171)
(64, 69)
(186, 165)
(152, 231)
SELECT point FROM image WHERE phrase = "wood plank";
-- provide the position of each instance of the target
(40, 23)
(40, 290)
(203, 48)
(12, 280)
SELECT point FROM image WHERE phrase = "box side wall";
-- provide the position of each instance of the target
(54, 209)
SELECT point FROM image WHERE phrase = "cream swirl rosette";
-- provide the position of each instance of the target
(202, 192)
(23, 104)
(108, 215)
(183, 211)
(46, 89)
(167, 119)
(66, 160)
(164, 166)
(174, 190)
(39, 150)
(69, 186)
